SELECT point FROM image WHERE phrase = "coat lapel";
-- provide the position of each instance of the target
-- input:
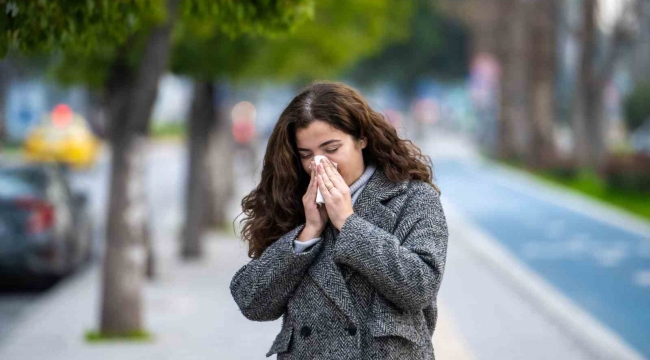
(329, 278)
(370, 206)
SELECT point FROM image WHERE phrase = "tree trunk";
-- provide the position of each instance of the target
(512, 51)
(202, 120)
(600, 77)
(542, 62)
(131, 101)
(5, 79)
(125, 256)
(96, 114)
(150, 262)
(587, 108)
(219, 190)
(589, 118)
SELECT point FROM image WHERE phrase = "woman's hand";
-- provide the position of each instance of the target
(336, 193)
(316, 218)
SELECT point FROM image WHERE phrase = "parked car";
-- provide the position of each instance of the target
(45, 229)
(62, 137)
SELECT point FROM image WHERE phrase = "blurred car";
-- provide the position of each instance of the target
(62, 137)
(45, 230)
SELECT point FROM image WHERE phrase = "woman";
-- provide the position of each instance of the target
(357, 277)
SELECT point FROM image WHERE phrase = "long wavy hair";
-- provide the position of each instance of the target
(275, 206)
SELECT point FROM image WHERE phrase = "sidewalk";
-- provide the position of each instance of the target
(189, 310)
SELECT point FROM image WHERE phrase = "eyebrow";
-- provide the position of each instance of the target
(321, 145)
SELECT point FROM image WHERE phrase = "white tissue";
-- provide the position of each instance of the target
(317, 160)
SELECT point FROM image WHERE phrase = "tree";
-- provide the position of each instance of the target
(512, 49)
(41, 26)
(130, 124)
(542, 63)
(6, 70)
(637, 106)
(505, 40)
(526, 48)
(127, 65)
(36, 27)
(597, 61)
(132, 97)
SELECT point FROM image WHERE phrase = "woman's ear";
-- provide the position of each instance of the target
(363, 142)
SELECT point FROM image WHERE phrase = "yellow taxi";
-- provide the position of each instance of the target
(63, 137)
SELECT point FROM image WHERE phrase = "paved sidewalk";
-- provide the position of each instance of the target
(189, 310)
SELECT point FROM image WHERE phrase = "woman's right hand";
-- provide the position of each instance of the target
(316, 217)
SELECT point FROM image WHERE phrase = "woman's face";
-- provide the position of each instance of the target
(320, 138)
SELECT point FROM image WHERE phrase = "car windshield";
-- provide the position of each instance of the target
(16, 183)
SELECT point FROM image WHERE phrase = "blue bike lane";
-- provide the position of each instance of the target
(601, 267)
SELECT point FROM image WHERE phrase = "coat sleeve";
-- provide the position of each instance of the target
(263, 287)
(408, 273)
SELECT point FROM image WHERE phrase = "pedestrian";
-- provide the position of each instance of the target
(356, 277)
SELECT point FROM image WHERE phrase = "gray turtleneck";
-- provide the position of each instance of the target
(355, 190)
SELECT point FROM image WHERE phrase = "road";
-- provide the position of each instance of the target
(603, 267)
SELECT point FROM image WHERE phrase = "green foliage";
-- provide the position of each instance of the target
(637, 106)
(10, 150)
(628, 172)
(203, 37)
(168, 130)
(212, 54)
(342, 32)
(91, 67)
(590, 184)
(42, 26)
(437, 47)
(587, 182)
(286, 42)
(234, 18)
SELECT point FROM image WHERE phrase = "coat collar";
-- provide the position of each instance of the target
(369, 206)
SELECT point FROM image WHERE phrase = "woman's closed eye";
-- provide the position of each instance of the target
(329, 151)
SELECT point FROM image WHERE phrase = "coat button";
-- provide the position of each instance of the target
(352, 331)
(305, 331)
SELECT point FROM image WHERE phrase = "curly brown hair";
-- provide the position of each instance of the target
(275, 206)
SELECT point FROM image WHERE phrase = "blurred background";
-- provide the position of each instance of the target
(132, 129)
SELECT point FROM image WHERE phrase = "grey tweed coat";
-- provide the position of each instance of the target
(368, 292)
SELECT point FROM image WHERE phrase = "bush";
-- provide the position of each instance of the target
(563, 168)
(169, 129)
(629, 172)
(637, 106)
(558, 167)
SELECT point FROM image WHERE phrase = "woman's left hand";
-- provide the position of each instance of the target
(336, 193)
